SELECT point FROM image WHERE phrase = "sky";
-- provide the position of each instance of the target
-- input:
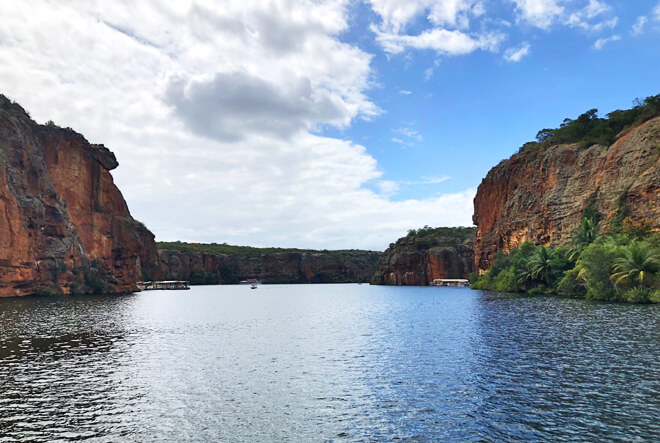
(333, 124)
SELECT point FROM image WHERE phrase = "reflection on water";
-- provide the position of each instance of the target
(327, 362)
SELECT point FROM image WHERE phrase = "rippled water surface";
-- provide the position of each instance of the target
(327, 362)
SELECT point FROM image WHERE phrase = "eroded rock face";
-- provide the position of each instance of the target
(293, 267)
(540, 195)
(404, 265)
(64, 225)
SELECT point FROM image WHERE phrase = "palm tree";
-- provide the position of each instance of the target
(583, 237)
(638, 263)
(540, 263)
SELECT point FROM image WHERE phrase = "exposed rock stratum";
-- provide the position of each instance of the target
(541, 195)
(64, 225)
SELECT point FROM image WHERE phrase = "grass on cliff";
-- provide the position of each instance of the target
(589, 129)
(621, 265)
(249, 251)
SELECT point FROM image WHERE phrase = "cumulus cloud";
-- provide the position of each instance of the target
(594, 17)
(229, 106)
(514, 55)
(603, 41)
(212, 111)
(397, 14)
(449, 20)
(540, 13)
(440, 40)
(587, 17)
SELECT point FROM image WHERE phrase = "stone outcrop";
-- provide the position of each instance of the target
(284, 267)
(412, 261)
(64, 225)
(540, 195)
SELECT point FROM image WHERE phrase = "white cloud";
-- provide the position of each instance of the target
(388, 187)
(603, 41)
(410, 133)
(428, 181)
(405, 92)
(396, 14)
(656, 12)
(583, 18)
(638, 27)
(449, 20)
(428, 72)
(211, 109)
(539, 13)
(514, 55)
(439, 40)
(545, 13)
(455, 13)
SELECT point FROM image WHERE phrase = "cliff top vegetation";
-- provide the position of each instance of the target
(428, 237)
(589, 129)
(249, 251)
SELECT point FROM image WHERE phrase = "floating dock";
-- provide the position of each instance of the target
(458, 282)
(163, 285)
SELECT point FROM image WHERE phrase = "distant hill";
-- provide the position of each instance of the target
(213, 263)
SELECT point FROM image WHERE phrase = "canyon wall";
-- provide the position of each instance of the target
(284, 267)
(64, 225)
(541, 194)
(417, 261)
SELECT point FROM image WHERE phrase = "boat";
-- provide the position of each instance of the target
(250, 281)
(169, 285)
(253, 286)
(456, 282)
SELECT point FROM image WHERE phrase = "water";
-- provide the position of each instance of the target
(327, 362)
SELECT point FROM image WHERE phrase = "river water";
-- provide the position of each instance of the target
(327, 362)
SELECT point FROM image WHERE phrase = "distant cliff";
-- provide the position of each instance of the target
(424, 255)
(541, 193)
(233, 264)
(64, 225)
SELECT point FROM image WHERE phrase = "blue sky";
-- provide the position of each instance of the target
(319, 123)
(474, 110)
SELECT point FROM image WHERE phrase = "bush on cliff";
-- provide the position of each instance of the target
(588, 129)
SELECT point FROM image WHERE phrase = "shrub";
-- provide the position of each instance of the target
(507, 281)
(638, 295)
(571, 284)
(595, 267)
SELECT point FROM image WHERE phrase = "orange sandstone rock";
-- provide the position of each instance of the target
(540, 195)
(64, 225)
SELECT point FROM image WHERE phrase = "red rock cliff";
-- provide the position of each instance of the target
(64, 225)
(540, 195)
(284, 267)
(421, 257)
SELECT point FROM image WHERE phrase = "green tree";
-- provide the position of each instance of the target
(637, 266)
(595, 267)
(583, 236)
(540, 264)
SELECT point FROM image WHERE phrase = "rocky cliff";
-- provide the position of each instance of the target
(541, 194)
(425, 255)
(64, 225)
(280, 267)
